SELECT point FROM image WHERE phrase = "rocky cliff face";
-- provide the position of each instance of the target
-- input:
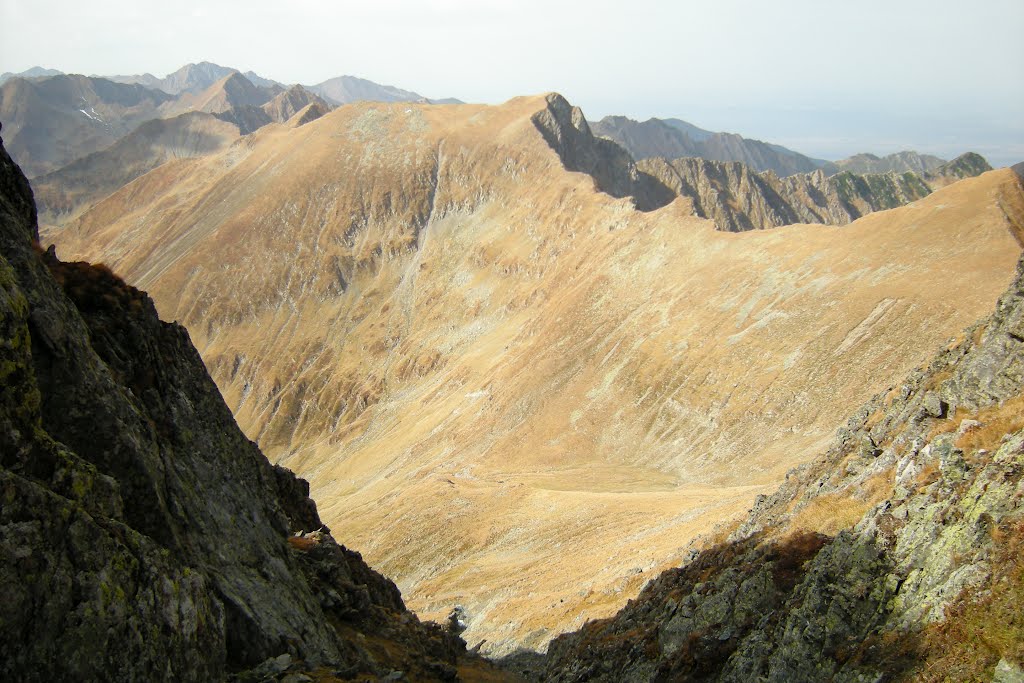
(737, 199)
(565, 128)
(142, 536)
(895, 556)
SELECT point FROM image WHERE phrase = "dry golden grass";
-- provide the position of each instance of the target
(996, 421)
(301, 543)
(506, 389)
(831, 513)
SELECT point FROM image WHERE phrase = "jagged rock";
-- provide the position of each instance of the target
(672, 138)
(1008, 672)
(738, 199)
(565, 128)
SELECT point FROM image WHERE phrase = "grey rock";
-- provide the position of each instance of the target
(1008, 672)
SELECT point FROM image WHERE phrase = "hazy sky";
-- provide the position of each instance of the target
(824, 77)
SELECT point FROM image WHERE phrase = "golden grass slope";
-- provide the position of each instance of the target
(510, 391)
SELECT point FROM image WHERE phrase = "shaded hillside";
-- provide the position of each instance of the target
(53, 121)
(900, 162)
(142, 536)
(84, 181)
(894, 556)
(50, 122)
(288, 103)
(673, 138)
(430, 314)
(81, 183)
(964, 166)
(738, 199)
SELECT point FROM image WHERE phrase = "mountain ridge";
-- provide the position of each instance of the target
(738, 199)
(674, 138)
(566, 378)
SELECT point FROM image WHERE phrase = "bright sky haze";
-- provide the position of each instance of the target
(828, 79)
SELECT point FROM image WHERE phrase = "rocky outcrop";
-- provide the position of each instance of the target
(672, 138)
(142, 536)
(894, 553)
(964, 166)
(565, 128)
(737, 199)
(248, 117)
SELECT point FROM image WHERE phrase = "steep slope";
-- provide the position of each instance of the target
(142, 536)
(738, 199)
(964, 166)
(900, 162)
(512, 391)
(673, 138)
(65, 192)
(895, 556)
(52, 121)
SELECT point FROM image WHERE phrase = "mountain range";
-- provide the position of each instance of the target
(673, 138)
(566, 406)
(54, 119)
(598, 414)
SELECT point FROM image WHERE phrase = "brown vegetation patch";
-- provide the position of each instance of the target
(93, 286)
(831, 513)
(302, 543)
(996, 421)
